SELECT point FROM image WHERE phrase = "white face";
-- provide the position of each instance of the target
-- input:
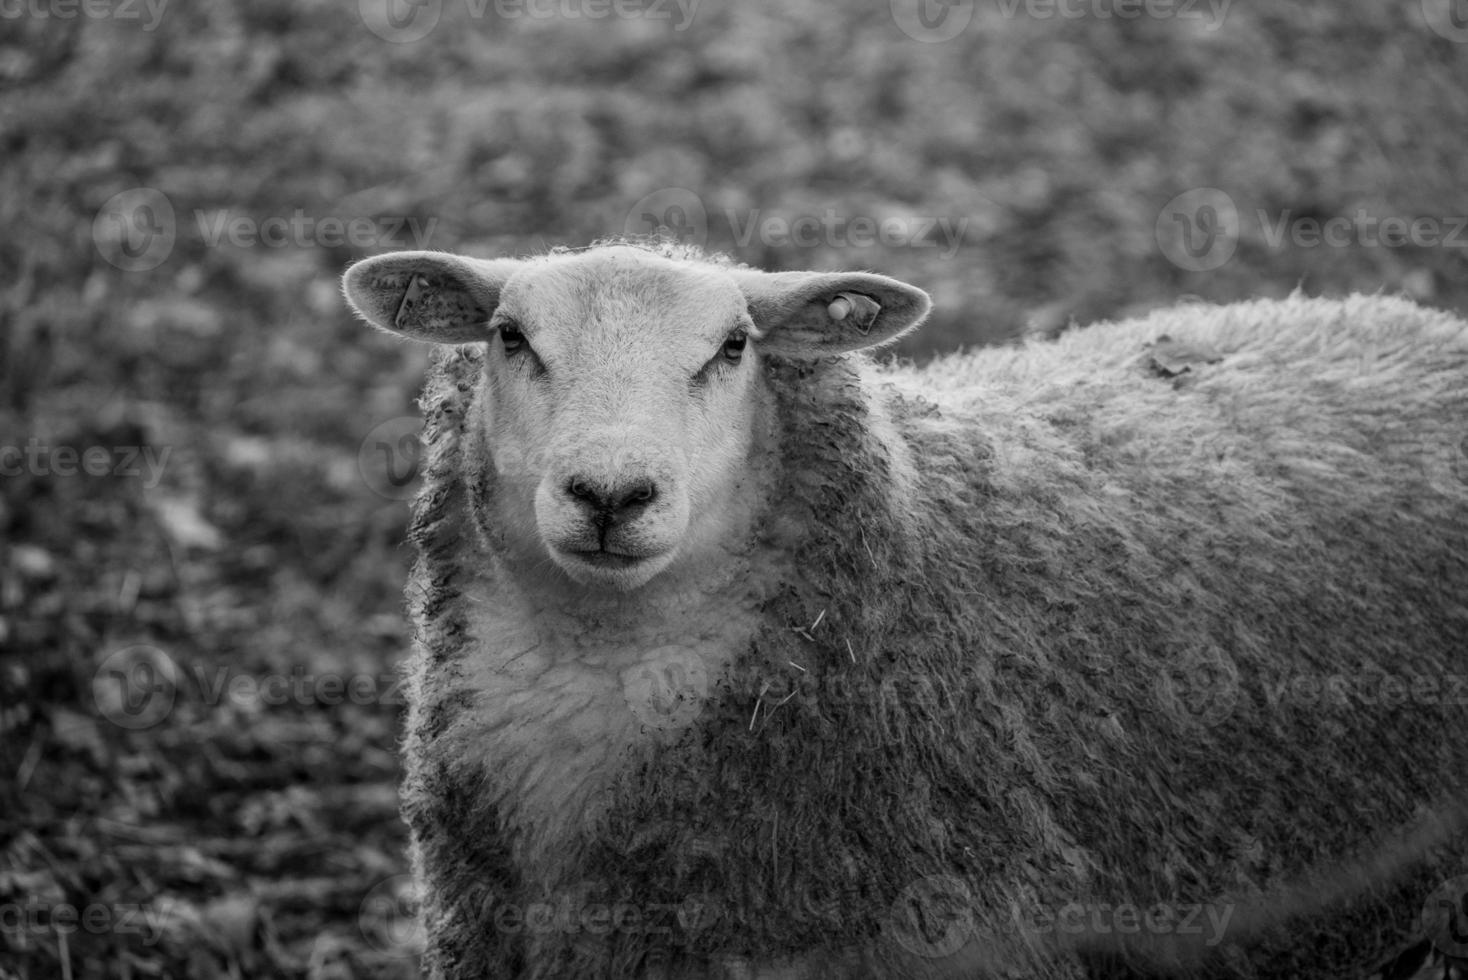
(618, 410)
(622, 392)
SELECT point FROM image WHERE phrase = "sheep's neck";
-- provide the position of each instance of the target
(569, 688)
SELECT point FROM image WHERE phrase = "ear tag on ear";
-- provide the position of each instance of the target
(862, 309)
(417, 286)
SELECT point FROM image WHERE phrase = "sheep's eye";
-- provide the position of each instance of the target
(734, 347)
(512, 338)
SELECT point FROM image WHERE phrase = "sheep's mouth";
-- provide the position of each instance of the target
(601, 558)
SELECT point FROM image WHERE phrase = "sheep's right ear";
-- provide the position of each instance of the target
(430, 296)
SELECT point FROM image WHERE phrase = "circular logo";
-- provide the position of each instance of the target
(673, 212)
(135, 230)
(388, 917)
(1198, 230)
(1445, 916)
(1201, 688)
(933, 917)
(932, 21)
(1447, 19)
(390, 459)
(1447, 467)
(666, 690)
(697, 913)
(400, 21)
(135, 687)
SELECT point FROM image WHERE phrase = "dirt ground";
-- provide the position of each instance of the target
(204, 460)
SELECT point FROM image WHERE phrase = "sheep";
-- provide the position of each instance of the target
(740, 654)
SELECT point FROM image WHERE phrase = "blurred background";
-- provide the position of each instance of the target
(204, 460)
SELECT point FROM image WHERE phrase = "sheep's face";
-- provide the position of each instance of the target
(617, 412)
(622, 388)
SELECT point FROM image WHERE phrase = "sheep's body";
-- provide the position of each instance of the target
(1044, 636)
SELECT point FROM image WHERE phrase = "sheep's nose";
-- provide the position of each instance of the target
(610, 503)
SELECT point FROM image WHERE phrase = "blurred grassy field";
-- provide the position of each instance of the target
(1026, 172)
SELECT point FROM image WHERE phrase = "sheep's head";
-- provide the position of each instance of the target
(621, 387)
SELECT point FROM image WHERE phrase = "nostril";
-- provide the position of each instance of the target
(643, 493)
(610, 499)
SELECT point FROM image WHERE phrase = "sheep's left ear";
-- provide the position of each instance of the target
(810, 314)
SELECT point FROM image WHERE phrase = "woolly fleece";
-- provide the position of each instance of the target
(1041, 627)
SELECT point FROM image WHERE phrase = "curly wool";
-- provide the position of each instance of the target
(1044, 640)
